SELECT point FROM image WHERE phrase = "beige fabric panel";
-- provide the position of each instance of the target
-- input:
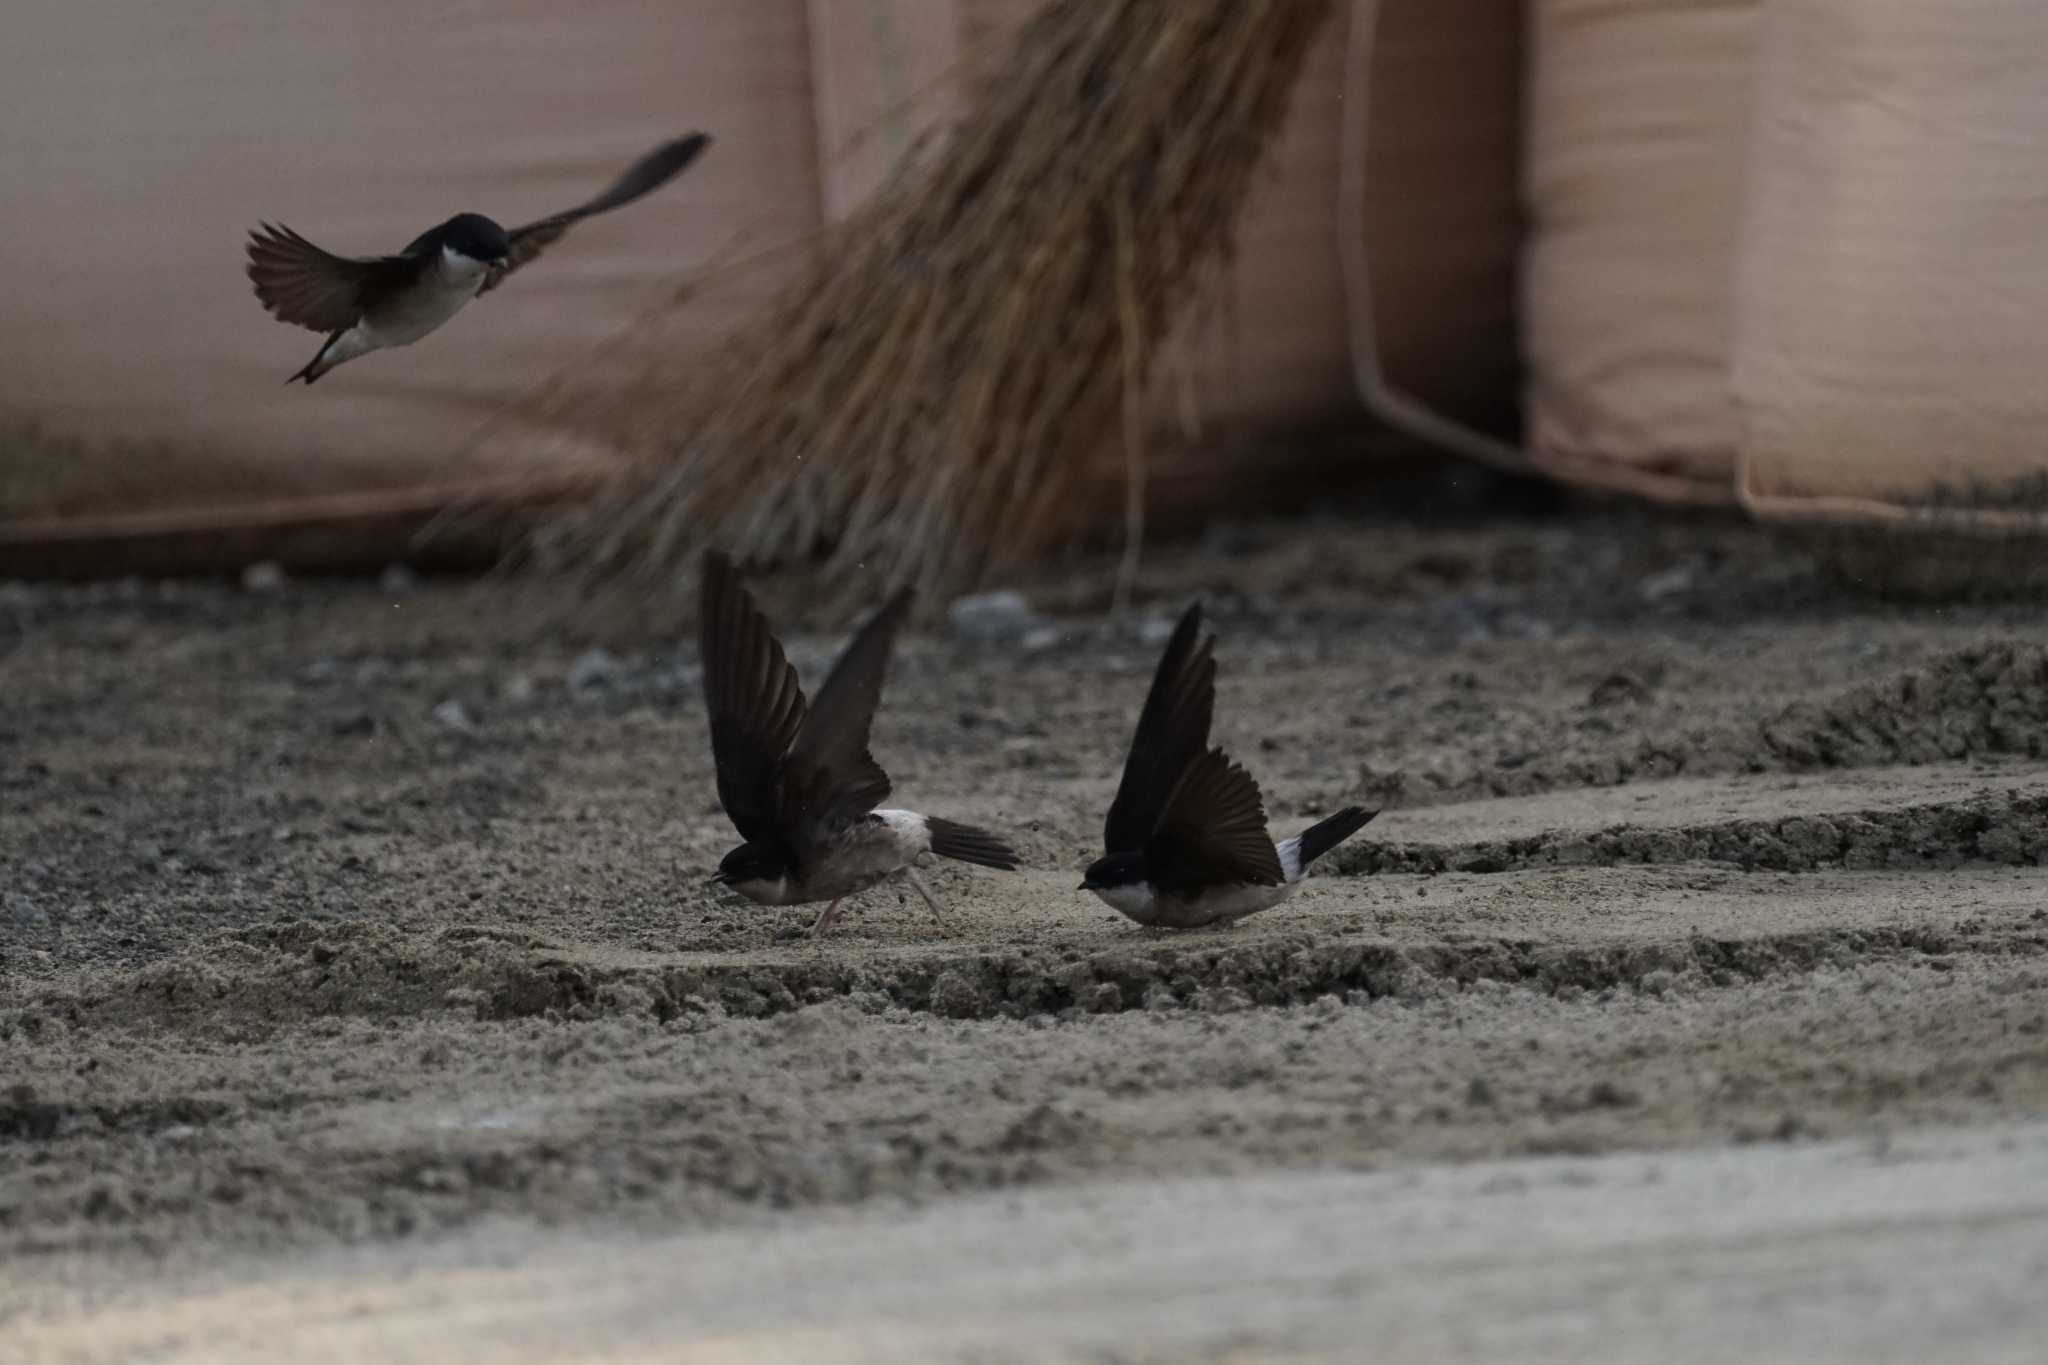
(1892, 330)
(888, 73)
(1267, 346)
(1635, 143)
(1272, 348)
(144, 140)
(1432, 213)
(147, 140)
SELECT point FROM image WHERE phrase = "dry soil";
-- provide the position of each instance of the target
(341, 919)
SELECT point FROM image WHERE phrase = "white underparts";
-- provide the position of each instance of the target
(1134, 900)
(1290, 858)
(864, 853)
(1216, 905)
(441, 293)
(764, 892)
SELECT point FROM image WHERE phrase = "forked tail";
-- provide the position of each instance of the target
(313, 368)
(966, 844)
(1325, 835)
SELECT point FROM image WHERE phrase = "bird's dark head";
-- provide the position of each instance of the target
(1114, 872)
(476, 237)
(757, 871)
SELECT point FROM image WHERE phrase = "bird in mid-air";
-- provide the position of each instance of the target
(798, 781)
(366, 303)
(1185, 842)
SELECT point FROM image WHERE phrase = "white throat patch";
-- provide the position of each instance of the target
(459, 268)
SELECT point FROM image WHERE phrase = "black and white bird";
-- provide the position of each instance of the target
(797, 781)
(366, 303)
(1185, 842)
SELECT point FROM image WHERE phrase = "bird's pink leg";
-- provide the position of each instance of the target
(917, 884)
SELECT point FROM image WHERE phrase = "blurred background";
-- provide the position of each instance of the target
(1783, 254)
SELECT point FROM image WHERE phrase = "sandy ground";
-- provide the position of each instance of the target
(346, 928)
(1923, 1248)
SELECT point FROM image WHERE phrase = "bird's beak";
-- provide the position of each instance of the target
(1084, 886)
(716, 879)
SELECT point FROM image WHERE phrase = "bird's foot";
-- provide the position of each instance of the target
(824, 919)
(917, 884)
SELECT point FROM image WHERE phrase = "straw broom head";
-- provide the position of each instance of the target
(923, 404)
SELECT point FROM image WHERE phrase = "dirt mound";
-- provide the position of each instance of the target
(1988, 700)
(1992, 699)
(2009, 828)
(354, 1129)
(249, 986)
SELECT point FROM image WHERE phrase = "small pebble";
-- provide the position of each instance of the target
(1154, 631)
(992, 617)
(1670, 583)
(267, 576)
(593, 668)
(455, 716)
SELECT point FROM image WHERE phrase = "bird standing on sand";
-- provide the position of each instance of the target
(366, 303)
(1185, 841)
(798, 782)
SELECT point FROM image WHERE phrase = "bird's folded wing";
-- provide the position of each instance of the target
(751, 694)
(831, 777)
(1213, 831)
(644, 176)
(1173, 730)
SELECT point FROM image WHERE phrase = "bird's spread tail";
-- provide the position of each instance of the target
(314, 368)
(1325, 835)
(966, 844)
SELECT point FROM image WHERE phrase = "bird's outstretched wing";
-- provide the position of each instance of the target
(644, 176)
(301, 284)
(1213, 831)
(831, 777)
(752, 697)
(1173, 730)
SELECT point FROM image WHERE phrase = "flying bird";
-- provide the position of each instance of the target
(1185, 841)
(798, 781)
(366, 303)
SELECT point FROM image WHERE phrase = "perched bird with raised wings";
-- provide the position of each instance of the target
(366, 303)
(1185, 842)
(798, 781)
